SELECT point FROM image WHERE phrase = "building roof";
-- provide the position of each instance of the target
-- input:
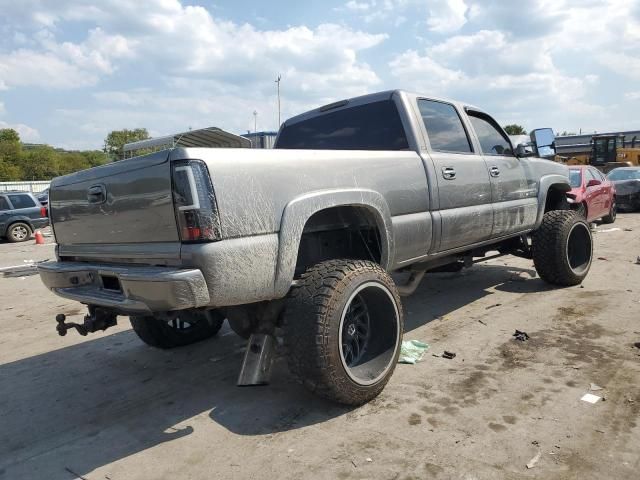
(211, 137)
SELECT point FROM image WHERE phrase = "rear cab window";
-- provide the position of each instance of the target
(444, 127)
(372, 126)
(21, 201)
(492, 140)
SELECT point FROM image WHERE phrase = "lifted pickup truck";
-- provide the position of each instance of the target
(300, 241)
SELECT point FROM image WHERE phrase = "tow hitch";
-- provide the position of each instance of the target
(97, 319)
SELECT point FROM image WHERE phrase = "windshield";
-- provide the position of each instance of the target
(619, 174)
(575, 178)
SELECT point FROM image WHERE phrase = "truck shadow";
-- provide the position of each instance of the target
(85, 406)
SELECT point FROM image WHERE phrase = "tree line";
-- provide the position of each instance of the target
(19, 161)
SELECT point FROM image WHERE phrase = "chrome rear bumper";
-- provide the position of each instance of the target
(130, 288)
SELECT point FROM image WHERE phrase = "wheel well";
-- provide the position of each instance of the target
(556, 199)
(339, 232)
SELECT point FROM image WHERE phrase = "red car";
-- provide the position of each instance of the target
(594, 195)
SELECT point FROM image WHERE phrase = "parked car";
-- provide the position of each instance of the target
(627, 183)
(301, 240)
(20, 215)
(43, 197)
(593, 195)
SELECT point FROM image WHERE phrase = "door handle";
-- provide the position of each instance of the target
(97, 194)
(448, 173)
(494, 171)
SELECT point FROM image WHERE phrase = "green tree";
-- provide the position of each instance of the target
(117, 138)
(40, 163)
(10, 151)
(515, 129)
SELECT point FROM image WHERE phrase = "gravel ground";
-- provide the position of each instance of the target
(108, 407)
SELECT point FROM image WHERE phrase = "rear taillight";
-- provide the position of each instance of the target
(194, 202)
(43, 212)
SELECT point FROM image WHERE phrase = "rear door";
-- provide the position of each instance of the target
(464, 188)
(513, 187)
(601, 191)
(24, 205)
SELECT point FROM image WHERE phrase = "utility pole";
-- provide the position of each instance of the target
(255, 128)
(278, 83)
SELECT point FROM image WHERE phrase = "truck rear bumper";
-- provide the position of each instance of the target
(129, 289)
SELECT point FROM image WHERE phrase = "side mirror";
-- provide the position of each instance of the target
(545, 141)
(593, 183)
(524, 150)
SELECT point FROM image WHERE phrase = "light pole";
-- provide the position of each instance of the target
(255, 128)
(278, 83)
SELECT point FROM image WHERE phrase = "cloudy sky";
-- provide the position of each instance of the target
(72, 70)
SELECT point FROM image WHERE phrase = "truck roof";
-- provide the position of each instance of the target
(370, 98)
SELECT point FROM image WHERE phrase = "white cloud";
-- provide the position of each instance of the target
(27, 133)
(447, 16)
(632, 95)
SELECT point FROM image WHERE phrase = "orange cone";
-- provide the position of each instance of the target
(39, 238)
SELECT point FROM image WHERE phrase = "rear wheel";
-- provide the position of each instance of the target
(186, 328)
(613, 211)
(562, 248)
(343, 328)
(18, 232)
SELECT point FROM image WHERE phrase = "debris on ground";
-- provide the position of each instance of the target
(603, 258)
(594, 388)
(448, 355)
(412, 351)
(522, 336)
(637, 344)
(534, 460)
(484, 323)
(638, 261)
(590, 398)
(628, 229)
(493, 306)
(608, 230)
(369, 460)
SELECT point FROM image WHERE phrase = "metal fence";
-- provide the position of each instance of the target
(26, 186)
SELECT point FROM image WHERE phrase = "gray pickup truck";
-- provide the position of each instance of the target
(301, 241)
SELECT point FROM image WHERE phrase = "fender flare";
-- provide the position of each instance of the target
(298, 211)
(546, 182)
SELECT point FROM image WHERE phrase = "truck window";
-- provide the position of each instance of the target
(492, 140)
(21, 201)
(373, 126)
(444, 127)
(4, 205)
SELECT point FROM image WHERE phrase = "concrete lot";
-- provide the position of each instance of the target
(108, 407)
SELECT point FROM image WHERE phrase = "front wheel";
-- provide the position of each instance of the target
(343, 326)
(185, 328)
(562, 248)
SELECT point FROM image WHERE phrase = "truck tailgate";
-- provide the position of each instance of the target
(127, 202)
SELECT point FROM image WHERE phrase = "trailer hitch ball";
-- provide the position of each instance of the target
(97, 319)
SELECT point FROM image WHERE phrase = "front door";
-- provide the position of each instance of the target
(464, 188)
(513, 186)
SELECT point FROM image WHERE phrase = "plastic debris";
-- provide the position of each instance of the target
(590, 398)
(369, 459)
(522, 336)
(594, 388)
(412, 351)
(448, 355)
(493, 306)
(607, 230)
(534, 460)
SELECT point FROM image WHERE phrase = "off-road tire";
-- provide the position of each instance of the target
(159, 333)
(613, 211)
(12, 235)
(312, 322)
(553, 252)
